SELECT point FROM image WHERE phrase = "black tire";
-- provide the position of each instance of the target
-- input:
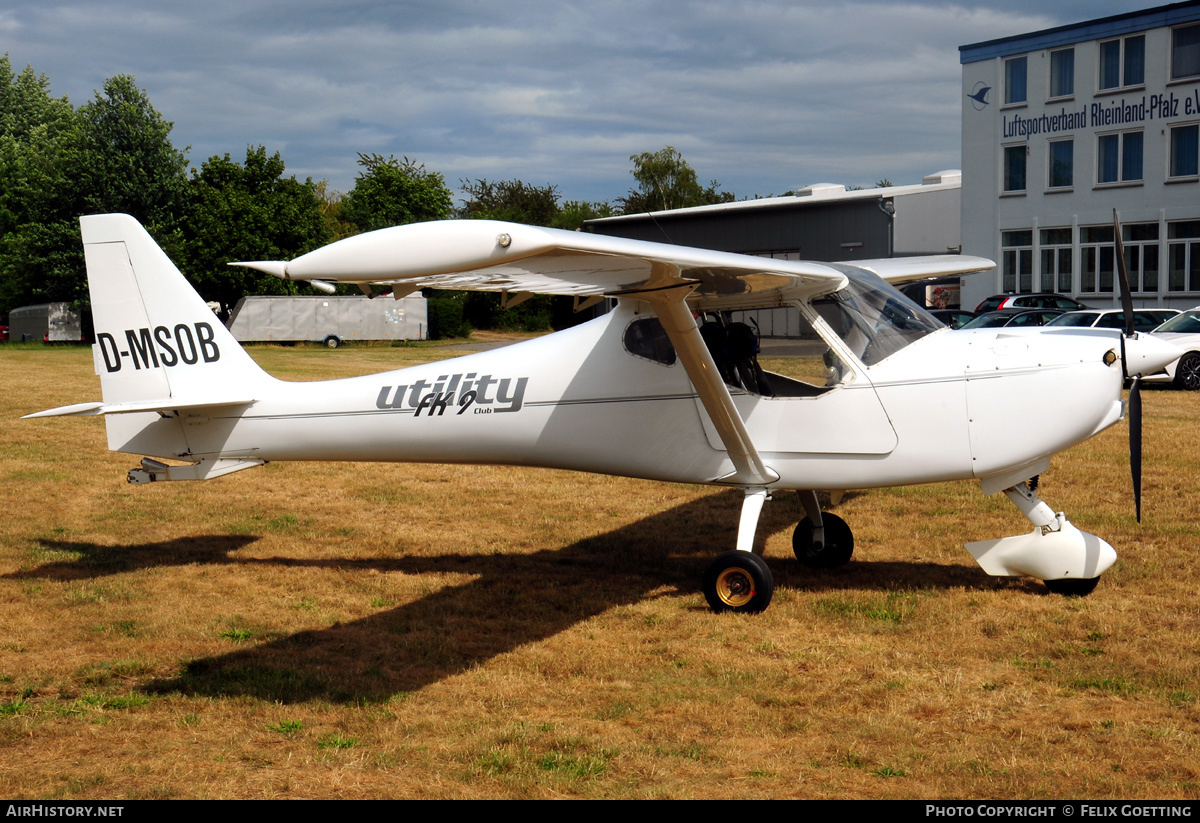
(1187, 373)
(838, 548)
(738, 582)
(1072, 586)
(332, 342)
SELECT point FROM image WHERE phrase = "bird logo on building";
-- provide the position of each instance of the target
(979, 95)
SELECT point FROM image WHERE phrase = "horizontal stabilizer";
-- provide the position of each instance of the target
(160, 404)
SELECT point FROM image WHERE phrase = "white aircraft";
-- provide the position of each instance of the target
(891, 396)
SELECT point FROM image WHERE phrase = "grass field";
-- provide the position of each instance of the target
(360, 630)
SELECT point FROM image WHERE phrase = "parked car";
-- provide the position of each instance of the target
(1013, 317)
(954, 318)
(1143, 319)
(1045, 300)
(1184, 331)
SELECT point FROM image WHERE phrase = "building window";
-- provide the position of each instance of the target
(1015, 69)
(1056, 260)
(1185, 52)
(1097, 259)
(1062, 163)
(1183, 256)
(1119, 157)
(1016, 252)
(1140, 241)
(1014, 168)
(1123, 62)
(1185, 151)
(1062, 73)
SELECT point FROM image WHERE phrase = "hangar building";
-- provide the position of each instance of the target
(1061, 126)
(821, 222)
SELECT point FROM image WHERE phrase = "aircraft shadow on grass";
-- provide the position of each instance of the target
(515, 600)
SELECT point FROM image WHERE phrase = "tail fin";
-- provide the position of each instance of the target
(158, 345)
(159, 348)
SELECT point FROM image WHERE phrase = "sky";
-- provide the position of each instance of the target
(763, 97)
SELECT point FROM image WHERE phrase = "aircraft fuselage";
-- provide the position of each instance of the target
(579, 400)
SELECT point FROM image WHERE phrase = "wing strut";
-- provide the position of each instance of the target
(676, 318)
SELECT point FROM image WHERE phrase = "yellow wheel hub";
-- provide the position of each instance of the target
(735, 587)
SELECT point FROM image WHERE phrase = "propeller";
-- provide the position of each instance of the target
(1135, 388)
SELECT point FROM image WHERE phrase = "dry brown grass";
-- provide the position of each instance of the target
(312, 630)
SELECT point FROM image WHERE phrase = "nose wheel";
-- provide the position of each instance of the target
(738, 582)
(1072, 586)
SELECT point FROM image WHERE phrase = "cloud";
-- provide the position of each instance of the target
(763, 96)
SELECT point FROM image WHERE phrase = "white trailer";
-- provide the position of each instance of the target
(49, 322)
(329, 320)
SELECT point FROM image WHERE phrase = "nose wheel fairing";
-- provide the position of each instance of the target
(1065, 553)
(1055, 551)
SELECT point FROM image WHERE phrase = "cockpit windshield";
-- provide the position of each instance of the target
(873, 319)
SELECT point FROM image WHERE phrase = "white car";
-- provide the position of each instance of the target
(1183, 331)
(1143, 319)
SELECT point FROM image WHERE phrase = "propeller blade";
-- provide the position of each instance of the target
(1135, 390)
(1135, 443)
(1123, 273)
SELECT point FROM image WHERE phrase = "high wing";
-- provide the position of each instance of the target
(519, 260)
(487, 255)
(900, 270)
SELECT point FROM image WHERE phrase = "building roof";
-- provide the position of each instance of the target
(816, 194)
(1114, 26)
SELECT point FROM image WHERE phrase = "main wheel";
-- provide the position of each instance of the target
(738, 582)
(1072, 586)
(1187, 373)
(836, 550)
(332, 342)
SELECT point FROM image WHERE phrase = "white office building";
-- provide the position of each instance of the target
(1061, 126)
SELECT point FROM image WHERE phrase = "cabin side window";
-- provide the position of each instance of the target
(645, 337)
(771, 352)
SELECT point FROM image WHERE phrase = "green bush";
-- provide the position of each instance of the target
(446, 315)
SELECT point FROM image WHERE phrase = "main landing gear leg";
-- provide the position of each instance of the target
(821, 540)
(1067, 560)
(740, 580)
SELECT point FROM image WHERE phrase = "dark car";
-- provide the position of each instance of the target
(954, 318)
(1013, 317)
(1045, 300)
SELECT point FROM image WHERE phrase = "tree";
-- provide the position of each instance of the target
(332, 203)
(248, 211)
(666, 181)
(390, 192)
(129, 163)
(520, 202)
(33, 130)
(573, 213)
(41, 257)
(113, 154)
(512, 200)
